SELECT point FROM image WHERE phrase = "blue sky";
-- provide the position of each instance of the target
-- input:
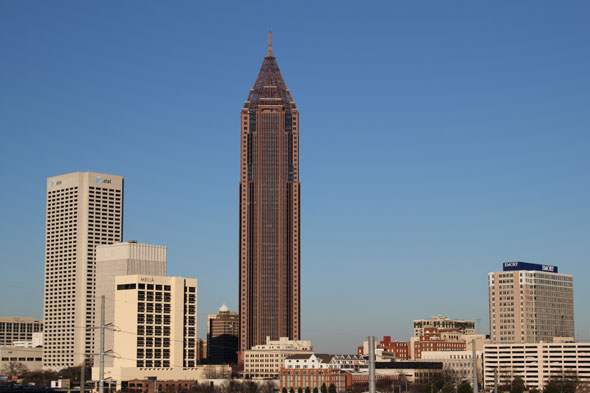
(438, 139)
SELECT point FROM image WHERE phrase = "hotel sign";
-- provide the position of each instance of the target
(509, 266)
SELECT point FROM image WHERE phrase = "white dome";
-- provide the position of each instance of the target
(223, 308)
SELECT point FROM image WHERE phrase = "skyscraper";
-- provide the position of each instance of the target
(84, 209)
(530, 303)
(269, 211)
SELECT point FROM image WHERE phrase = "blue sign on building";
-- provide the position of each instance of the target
(508, 266)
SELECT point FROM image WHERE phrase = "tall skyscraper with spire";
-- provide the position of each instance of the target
(269, 210)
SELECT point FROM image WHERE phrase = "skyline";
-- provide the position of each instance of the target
(467, 133)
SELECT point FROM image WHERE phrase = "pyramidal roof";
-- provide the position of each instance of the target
(269, 88)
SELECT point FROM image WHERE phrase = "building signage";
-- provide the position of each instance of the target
(146, 279)
(508, 266)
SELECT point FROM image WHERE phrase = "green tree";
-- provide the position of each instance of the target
(284, 390)
(323, 388)
(332, 388)
(315, 390)
(299, 390)
(552, 387)
(464, 387)
(291, 390)
(517, 385)
(307, 390)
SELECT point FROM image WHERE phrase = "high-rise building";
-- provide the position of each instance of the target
(122, 259)
(222, 336)
(530, 303)
(269, 300)
(156, 320)
(18, 329)
(84, 210)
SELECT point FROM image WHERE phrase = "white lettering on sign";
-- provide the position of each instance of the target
(548, 268)
(511, 264)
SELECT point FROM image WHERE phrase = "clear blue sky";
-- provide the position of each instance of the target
(438, 139)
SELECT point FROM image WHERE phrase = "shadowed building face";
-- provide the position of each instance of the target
(269, 211)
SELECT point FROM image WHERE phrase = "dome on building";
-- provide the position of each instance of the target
(223, 308)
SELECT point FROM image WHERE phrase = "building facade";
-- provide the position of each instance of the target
(121, 259)
(223, 336)
(442, 322)
(28, 357)
(269, 295)
(18, 329)
(314, 378)
(458, 365)
(156, 320)
(84, 210)
(266, 360)
(530, 303)
(536, 363)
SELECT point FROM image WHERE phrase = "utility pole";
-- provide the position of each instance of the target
(371, 364)
(474, 356)
(83, 376)
(496, 380)
(101, 369)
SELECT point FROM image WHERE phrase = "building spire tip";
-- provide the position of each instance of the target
(269, 53)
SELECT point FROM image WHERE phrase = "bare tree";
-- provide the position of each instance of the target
(15, 368)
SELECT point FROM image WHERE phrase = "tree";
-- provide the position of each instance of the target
(448, 387)
(291, 390)
(315, 390)
(517, 385)
(552, 387)
(464, 387)
(323, 388)
(284, 390)
(534, 390)
(332, 388)
(299, 390)
(14, 368)
(307, 390)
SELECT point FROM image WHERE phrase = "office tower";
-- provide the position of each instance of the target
(156, 320)
(84, 210)
(222, 336)
(530, 303)
(269, 300)
(18, 329)
(122, 259)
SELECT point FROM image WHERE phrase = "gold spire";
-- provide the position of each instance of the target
(269, 53)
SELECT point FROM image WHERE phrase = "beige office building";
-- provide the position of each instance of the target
(28, 357)
(266, 360)
(122, 259)
(156, 320)
(84, 210)
(536, 363)
(530, 303)
(18, 329)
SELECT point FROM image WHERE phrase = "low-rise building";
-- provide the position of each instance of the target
(266, 360)
(28, 357)
(536, 363)
(456, 364)
(314, 378)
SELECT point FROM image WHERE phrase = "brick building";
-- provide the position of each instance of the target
(314, 378)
